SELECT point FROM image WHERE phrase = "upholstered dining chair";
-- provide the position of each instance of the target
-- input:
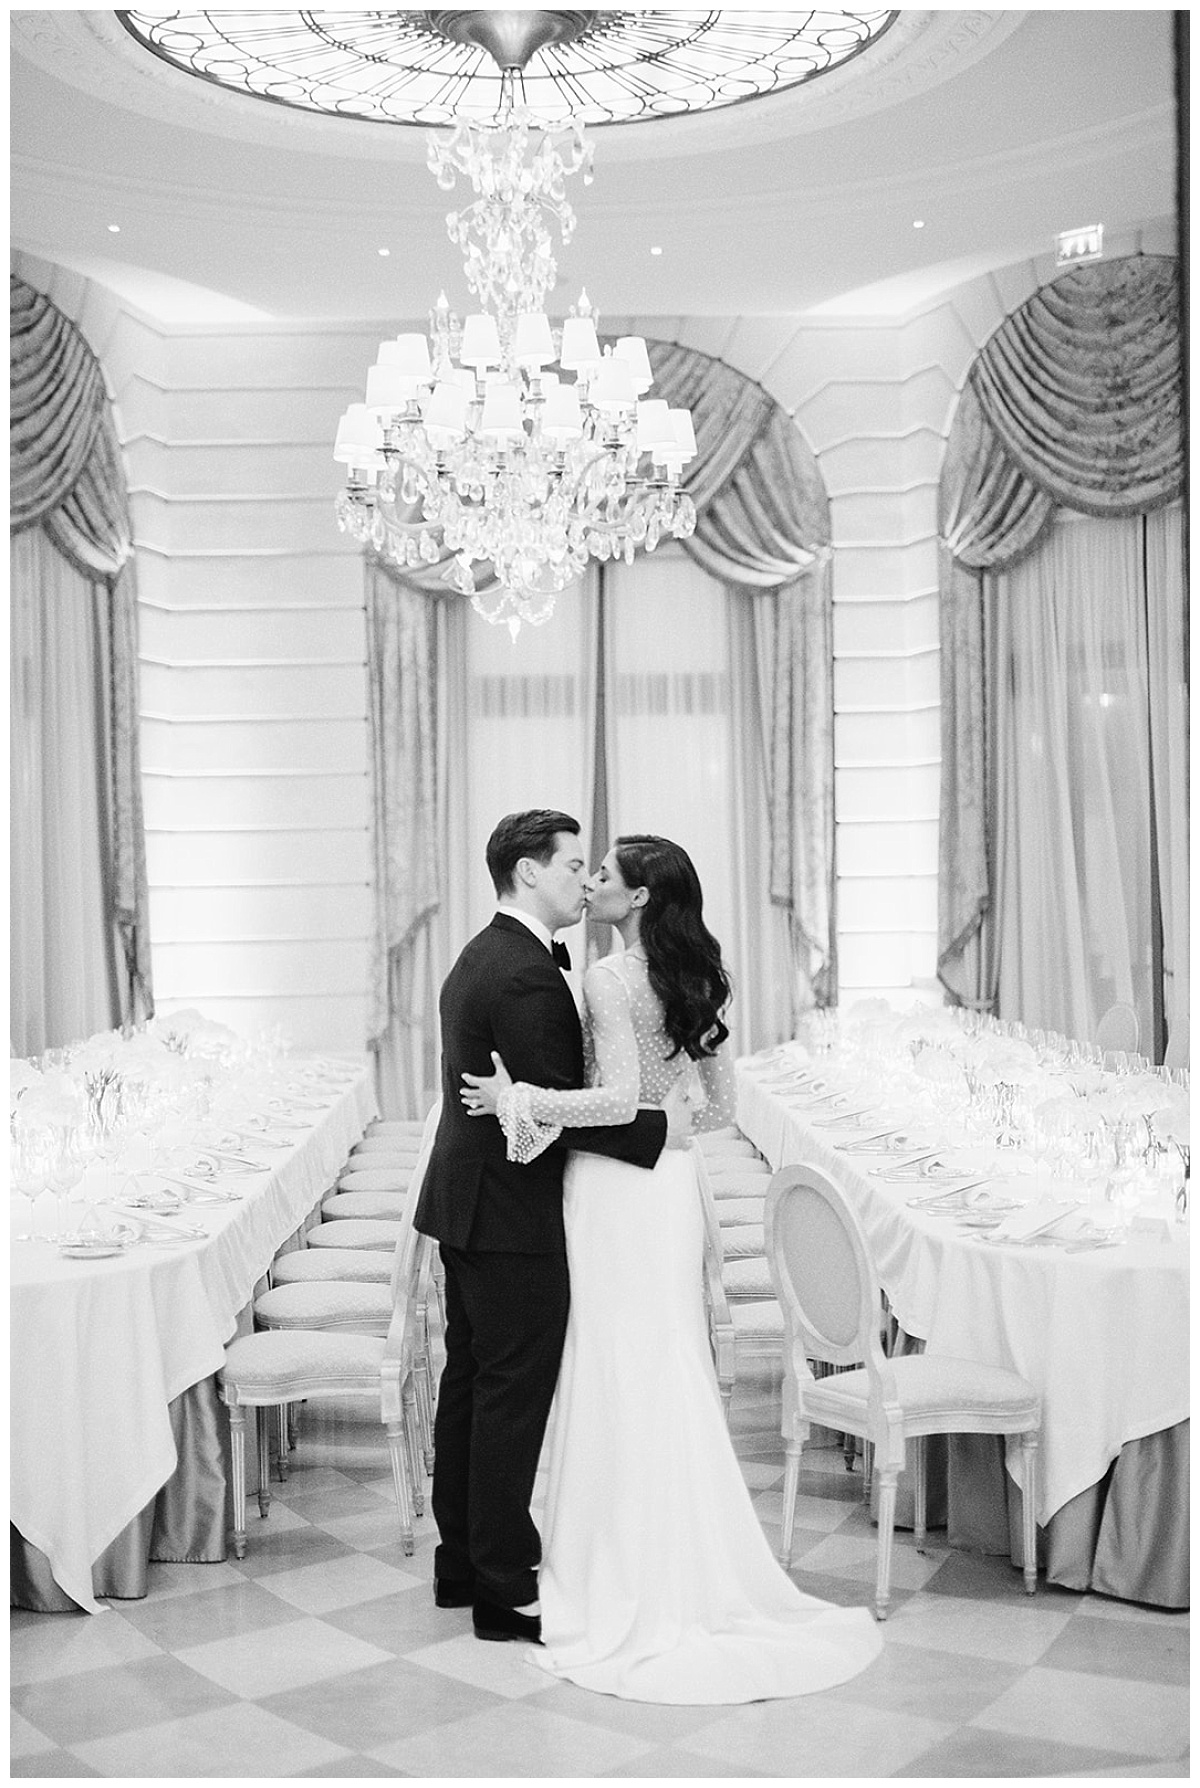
(282, 1366)
(831, 1303)
(389, 1206)
(1118, 1029)
(312, 1266)
(396, 1127)
(336, 1299)
(733, 1327)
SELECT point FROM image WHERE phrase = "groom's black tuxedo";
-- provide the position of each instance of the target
(501, 1229)
(505, 993)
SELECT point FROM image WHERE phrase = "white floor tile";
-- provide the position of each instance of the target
(814, 1736)
(844, 1555)
(337, 1583)
(520, 1740)
(504, 1669)
(1109, 1713)
(240, 1741)
(287, 1657)
(61, 1644)
(24, 1739)
(1019, 1634)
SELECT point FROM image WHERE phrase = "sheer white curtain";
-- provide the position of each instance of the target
(517, 727)
(1076, 847)
(684, 742)
(1168, 679)
(680, 728)
(63, 946)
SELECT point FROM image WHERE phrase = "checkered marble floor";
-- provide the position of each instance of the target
(322, 1654)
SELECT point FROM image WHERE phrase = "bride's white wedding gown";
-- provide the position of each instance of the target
(657, 1582)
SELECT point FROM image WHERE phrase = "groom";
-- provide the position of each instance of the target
(500, 1226)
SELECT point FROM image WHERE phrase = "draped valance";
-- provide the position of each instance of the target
(66, 477)
(1076, 401)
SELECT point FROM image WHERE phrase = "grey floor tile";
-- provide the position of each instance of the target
(666, 1763)
(814, 1736)
(1108, 1648)
(1144, 1718)
(100, 1702)
(177, 1621)
(401, 1623)
(519, 1739)
(382, 1704)
(284, 1549)
(344, 1767)
(972, 1752)
(934, 1685)
(241, 1741)
(53, 1763)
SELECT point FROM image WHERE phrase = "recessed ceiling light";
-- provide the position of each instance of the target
(656, 251)
(114, 229)
(918, 223)
(385, 252)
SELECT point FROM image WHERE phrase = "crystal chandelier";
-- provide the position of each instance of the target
(468, 442)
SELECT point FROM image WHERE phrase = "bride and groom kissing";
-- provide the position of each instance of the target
(562, 1192)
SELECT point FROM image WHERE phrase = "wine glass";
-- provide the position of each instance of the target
(64, 1172)
(30, 1168)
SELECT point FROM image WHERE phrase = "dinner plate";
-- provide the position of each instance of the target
(91, 1250)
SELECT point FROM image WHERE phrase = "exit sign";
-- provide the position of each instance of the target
(1084, 244)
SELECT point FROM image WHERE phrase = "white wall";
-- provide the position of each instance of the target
(254, 744)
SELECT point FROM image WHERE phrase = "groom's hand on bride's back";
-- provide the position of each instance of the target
(680, 1118)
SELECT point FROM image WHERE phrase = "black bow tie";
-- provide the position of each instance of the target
(561, 955)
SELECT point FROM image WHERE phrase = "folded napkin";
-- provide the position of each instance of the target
(1062, 1219)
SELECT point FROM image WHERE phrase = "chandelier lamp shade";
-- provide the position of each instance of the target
(501, 438)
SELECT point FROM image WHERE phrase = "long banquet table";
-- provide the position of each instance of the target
(1103, 1335)
(102, 1350)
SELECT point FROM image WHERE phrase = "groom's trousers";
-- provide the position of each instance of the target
(506, 1320)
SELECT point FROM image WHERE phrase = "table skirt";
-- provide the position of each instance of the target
(1126, 1536)
(186, 1522)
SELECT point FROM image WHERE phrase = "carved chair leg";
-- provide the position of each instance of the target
(263, 1428)
(887, 1519)
(791, 1483)
(396, 1450)
(237, 1447)
(919, 1482)
(1029, 1447)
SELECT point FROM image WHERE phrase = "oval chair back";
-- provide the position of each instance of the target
(1118, 1029)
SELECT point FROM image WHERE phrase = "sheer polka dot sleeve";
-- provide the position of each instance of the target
(614, 1099)
(720, 1088)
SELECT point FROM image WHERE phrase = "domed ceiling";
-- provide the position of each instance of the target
(950, 143)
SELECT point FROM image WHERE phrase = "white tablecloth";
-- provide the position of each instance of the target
(100, 1348)
(1104, 1336)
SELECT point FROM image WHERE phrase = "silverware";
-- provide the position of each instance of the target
(866, 1145)
(1033, 1235)
(903, 1169)
(945, 1197)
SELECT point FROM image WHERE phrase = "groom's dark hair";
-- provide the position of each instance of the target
(520, 835)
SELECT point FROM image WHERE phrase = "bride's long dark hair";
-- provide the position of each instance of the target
(683, 958)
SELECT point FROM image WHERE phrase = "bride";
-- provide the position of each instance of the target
(657, 1582)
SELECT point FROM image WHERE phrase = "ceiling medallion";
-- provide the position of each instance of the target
(440, 68)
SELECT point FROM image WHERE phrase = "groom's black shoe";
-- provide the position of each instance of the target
(454, 1592)
(494, 1622)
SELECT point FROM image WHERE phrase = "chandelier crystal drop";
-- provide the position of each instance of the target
(499, 438)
